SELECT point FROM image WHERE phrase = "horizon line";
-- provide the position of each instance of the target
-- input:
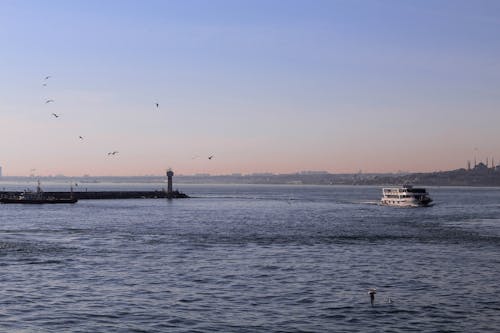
(237, 174)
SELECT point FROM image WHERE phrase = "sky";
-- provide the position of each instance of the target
(263, 86)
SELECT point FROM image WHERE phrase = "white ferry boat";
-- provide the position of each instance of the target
(406, 196)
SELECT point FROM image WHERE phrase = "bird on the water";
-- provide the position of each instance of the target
(372, 292)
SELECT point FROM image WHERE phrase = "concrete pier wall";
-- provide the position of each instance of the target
(97, 195)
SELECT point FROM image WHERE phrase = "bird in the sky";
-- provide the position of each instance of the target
(80, 137)
(55, 115)
(210, 157)
(44, 84)
(49, 101)
(47, 77)
(112, 153)
(157, 105)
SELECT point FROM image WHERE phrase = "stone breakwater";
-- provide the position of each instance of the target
(96, 195)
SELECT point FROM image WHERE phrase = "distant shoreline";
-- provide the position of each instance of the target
(480, 176)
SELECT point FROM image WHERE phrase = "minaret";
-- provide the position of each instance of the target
(170, 174)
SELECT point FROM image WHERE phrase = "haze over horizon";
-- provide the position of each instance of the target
(263, 86)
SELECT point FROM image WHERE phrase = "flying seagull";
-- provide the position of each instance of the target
(210, 157)
(55, 115)
(49, 101)
(45, 80)
(157, 105)
(112, 153)
(80, 137)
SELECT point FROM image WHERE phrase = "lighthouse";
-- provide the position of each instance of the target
(170, 174)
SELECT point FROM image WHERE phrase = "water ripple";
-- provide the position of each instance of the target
(272, 259)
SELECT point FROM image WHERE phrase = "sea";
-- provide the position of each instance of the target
(252, 258)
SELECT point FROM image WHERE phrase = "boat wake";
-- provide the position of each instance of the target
(370, 202)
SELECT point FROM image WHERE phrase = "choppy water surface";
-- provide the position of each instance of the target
(253, 259)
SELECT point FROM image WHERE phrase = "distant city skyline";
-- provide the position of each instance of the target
(470, 165)
(262, 86)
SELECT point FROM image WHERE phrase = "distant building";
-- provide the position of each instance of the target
(313, 172)
(481, 167)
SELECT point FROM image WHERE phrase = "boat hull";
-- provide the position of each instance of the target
(407, 202)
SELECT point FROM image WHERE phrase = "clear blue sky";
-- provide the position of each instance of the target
(277, 86)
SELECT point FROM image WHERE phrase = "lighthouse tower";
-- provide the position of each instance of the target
(170, 174)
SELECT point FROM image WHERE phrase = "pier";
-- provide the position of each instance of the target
(169, 193)
(99, 195)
